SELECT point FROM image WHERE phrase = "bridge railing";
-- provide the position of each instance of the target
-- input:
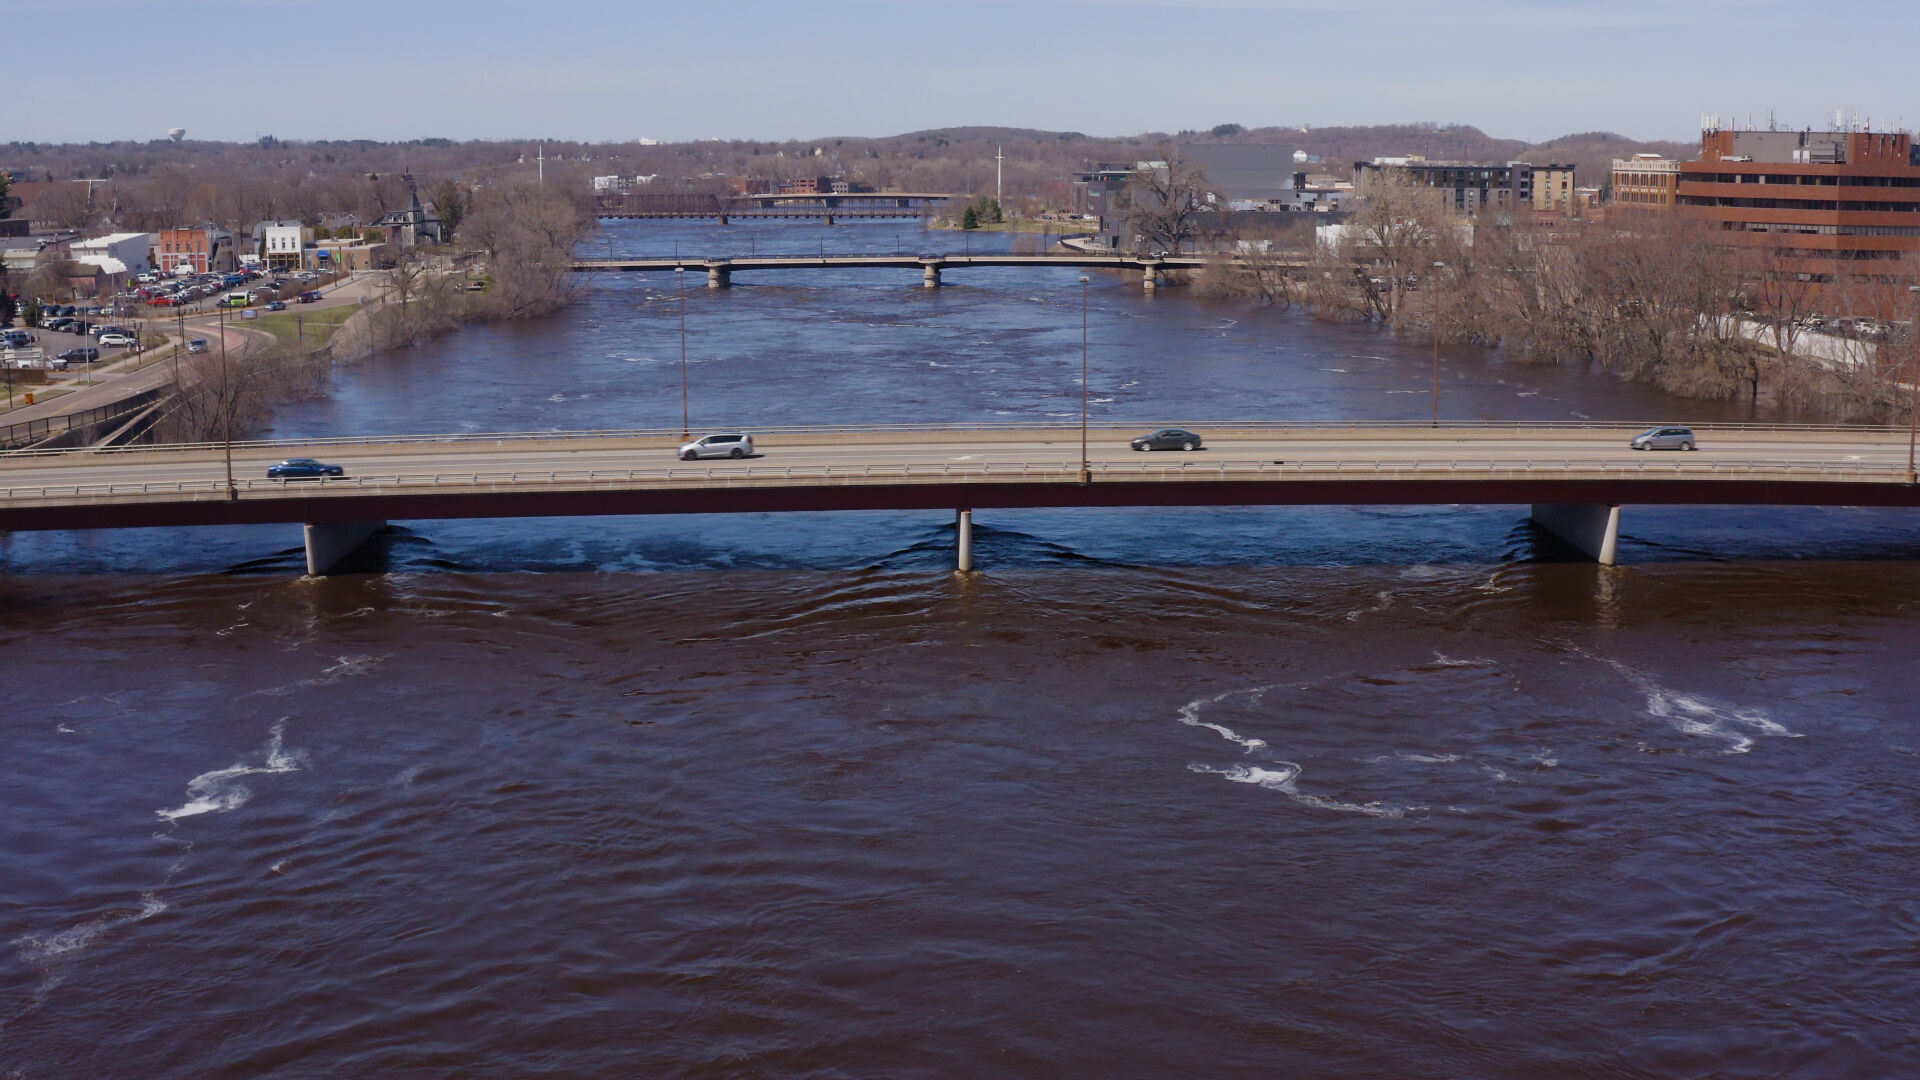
(1054, 471)
(894, 431)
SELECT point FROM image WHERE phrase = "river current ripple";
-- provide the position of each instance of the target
(1343, 792)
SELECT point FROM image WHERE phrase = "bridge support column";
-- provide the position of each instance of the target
(723, 219)
(1150, 278)
(829, 219)
(963, 533)
(332, 541)
(1592, 528)
(931, 279)
(718, 278)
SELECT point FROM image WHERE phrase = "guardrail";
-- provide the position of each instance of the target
(28, 432)
(1675, 467)
(764, 431)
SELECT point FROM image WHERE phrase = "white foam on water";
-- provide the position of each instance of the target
(1276, 774)
(1103, 401)
(1190, 716)
(42, 949)
(1382, 601)
(1335, 370)
(1703, 717)
(1441, 659)
(221, 790)
(64, 729)
(1283, 780)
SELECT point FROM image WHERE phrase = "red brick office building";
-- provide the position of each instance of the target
(1839, 208)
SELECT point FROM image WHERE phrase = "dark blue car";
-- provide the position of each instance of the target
(1172, 438)
(303, 468)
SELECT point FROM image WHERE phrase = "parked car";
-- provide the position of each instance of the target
(85, 354)
(16, 339)
(309, 297)
(729, 446)
(80, 326)
(277, 305)
(303, 468)
(116, 341)
(1663, 438)
(162, 301)
(197, 345)
(97, 331)
(56, 324)
(1172, 438)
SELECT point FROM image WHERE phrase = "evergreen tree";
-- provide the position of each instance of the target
(970, 219)
(6, 185)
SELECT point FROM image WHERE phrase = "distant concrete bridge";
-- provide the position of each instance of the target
(832, 206)
(720, 270)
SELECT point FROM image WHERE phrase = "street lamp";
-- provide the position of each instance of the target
(1435, 306)
(686, 418)
(1086, 475)
(1913, 380)
(226, 409)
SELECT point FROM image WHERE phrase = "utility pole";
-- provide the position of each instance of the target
(226, 410)
(997, 158)
(543, 163)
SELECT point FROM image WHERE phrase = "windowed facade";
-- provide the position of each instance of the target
(1829, 204)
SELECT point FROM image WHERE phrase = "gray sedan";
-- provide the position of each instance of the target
(1663, 438)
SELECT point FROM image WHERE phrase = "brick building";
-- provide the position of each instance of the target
(1645, 182)
(1841, 208)
(201, 247)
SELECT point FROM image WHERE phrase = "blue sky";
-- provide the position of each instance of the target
(752, 69)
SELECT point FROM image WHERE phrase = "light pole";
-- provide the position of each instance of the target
(1086, 475)
(686, 417)
(1913, 380)
(226, 409)
(1435, 305)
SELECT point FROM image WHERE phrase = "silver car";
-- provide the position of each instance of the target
(727, 446)
(1663, 438)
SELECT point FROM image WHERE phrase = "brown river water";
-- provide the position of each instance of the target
(1341, 792)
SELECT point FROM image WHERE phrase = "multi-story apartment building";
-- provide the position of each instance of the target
(1645, 182)
(1841, 208)
(1470, 189)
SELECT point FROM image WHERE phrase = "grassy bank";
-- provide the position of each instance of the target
(308, 327)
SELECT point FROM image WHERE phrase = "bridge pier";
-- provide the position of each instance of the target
(329, 542)
(1149, 278)
(931, 279)
(963, 537)
(718, 277)
(1592, 528)
(829, 219)
(723, 219)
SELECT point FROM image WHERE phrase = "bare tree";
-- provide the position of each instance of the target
(1163, 200)
(528, 233)
(1393, 233)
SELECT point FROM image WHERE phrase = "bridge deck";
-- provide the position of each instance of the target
(636, 473)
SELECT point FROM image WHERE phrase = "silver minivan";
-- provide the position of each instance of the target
(727, 446)
(1663, 438)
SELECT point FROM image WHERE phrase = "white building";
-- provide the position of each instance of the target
(117, 253)
(282, 244)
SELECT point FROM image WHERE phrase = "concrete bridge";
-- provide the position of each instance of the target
(1575, 478)
(720, 270)
(723, 208)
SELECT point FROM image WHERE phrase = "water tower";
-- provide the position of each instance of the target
(176, 134)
